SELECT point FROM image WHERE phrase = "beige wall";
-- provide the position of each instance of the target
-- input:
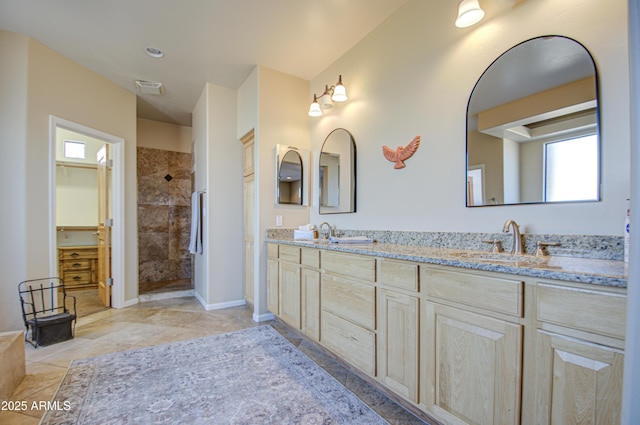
(41, 83)
(160, 135)
(13, 158)
(280, 118)
(413, 76)
(219, 269)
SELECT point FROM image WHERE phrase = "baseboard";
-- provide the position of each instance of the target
(129, 303)
(166, 295)
(263, 317)
(218, 306)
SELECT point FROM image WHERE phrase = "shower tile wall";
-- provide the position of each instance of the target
(164, 215)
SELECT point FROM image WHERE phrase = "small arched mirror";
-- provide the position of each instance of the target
(290, 176)
(338, 173)
(532, 126)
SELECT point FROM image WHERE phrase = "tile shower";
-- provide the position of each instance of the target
(164, 219)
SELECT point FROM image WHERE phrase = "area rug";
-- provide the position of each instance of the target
(253, 376)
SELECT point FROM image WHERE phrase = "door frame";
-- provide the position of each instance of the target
(117, 202)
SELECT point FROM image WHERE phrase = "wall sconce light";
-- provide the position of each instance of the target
(337, 93)
(469, 13)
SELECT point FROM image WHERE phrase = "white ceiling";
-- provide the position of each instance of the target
(217, 41)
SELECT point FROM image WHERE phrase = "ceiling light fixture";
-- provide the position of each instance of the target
(469, 13)
(153, 52)
(337, 93)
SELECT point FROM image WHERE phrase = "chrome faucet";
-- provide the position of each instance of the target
(329, 233)
(517, 238)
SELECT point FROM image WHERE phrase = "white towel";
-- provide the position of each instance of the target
(195, 243)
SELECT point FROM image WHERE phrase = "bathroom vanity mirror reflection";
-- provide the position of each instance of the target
(338, 173)
(532, 126)
(291, 165)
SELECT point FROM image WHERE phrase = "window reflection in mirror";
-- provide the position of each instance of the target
(290, 178)
(532, 100)
(337, 173)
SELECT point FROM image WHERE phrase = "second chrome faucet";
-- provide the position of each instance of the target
(517, 247)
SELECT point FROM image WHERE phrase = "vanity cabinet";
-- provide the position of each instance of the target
(398, 327)
(290, 285)
(474, 342)
(273, 280)
(464, 346)
(348, 304)
(579, 352)
(310, 281)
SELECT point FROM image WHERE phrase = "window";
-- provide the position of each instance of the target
(75, 150)
(571, 169)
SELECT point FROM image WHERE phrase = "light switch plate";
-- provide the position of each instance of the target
(279, 220)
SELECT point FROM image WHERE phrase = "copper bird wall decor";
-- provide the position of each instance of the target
(401, 154)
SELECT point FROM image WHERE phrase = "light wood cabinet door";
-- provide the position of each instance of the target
(473, 368)
(290, 294)
(311, 303)
(273, 292)
(398, 343)
(248, 155)
(249, 244)
(577, 382)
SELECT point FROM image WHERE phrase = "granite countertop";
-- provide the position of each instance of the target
(583, 270)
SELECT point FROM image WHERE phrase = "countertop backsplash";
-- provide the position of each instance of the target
(580, 246)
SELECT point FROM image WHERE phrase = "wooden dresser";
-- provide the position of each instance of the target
(78, 266)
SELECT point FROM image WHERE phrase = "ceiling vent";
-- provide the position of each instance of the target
(149, 87)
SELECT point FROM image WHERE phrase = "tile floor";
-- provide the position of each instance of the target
(161, 322)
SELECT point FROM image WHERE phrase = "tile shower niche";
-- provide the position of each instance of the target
(164, 219)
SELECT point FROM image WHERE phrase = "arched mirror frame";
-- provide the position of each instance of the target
(489, 202)
(302, 155)
(347, 200)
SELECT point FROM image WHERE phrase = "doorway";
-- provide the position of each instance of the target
(86, 214)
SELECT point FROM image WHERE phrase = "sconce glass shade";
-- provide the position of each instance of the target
(314, 109)
(325, 100)
(339, 92)
(469, 13)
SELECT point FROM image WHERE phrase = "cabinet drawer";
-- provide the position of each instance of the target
(272, 251)
(350, 265)
(398, 274)
(591, 311)
(70, 265)
(78, 254)
(289, 253)
(75, 278)
(310, 257)
(351, 342)
(487, 292)
(350, 300)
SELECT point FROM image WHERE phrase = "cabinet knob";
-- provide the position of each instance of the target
(77, 265)
(74, 254)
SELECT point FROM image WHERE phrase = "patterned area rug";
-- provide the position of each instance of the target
(253, 376)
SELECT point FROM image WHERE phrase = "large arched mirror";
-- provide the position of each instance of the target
(532, 126)
(338, 173)
(290, 177)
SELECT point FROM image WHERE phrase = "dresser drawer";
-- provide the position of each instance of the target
(598, 312)
(290, 254)
(351, 342)
(398, 274)
(350, 300)
(310, 257)
(350, 265)
(70, 265)
(78, 254)
(487, 292)
(77, 277)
